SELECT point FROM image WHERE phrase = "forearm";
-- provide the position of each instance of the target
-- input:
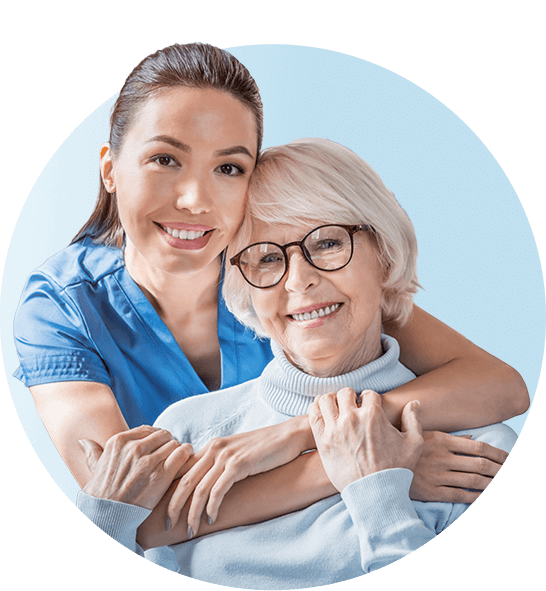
(264, 496)
(462, 394)
(72, 411)
(459, 384)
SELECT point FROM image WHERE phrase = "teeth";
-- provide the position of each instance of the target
(183, 234)
(316, 313)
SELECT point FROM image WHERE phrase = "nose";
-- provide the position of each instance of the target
(193, 195)
(300, 276)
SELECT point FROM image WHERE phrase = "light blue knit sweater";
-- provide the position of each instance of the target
(371, 524)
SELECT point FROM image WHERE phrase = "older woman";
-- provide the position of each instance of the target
(324, 253)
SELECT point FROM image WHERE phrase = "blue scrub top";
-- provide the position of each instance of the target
(82, 317)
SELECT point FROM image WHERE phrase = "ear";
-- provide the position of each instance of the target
(107, 168)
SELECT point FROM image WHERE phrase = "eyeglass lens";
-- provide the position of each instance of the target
(328, 248)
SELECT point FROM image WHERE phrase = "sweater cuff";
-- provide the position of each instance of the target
(380, 500)
(119, 520)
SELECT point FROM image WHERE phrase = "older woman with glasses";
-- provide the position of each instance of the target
(324, 254)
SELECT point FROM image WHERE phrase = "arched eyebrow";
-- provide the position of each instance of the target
(234, 150)
(170, 140)
(185, 148)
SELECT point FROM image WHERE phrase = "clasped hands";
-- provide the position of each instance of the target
(354, 438)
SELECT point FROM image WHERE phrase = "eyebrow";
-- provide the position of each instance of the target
(185, 148)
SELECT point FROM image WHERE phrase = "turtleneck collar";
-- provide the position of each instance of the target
(290, 391)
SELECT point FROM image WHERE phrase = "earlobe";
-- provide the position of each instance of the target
(107, 168)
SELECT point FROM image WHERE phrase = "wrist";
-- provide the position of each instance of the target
(391, 409)
(300, 433)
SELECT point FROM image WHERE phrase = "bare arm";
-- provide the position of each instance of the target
(72, 411)
(257, 498)
(459, 385)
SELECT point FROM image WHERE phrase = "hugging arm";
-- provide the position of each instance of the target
(459, 385)
(485, 385)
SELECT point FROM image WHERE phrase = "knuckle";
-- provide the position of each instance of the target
(474, 481)
(186, 480)
(217, 444)
(482, 465)
(200, 490)
(480, 447)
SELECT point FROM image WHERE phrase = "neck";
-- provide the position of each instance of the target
(334, 363)
(290, 391)
(180, 294)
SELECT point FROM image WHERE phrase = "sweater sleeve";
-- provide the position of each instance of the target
(385, 520)
(119, 520)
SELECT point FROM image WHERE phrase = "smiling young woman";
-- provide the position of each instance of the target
(127, 319)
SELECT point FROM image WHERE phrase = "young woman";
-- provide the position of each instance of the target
(128, 318)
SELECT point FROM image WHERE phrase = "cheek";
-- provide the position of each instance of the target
(266, 306)
(232, 212)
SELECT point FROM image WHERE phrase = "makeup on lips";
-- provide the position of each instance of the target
(185, 236)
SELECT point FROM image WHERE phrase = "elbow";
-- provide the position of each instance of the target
(518, 400)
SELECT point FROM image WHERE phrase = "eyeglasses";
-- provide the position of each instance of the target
(327, 248)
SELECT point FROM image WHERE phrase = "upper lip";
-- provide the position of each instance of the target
(312, 307)
(185, 226)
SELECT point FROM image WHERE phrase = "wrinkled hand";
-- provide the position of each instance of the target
(135, 467)
(450, 464)
(213, 470)
(354, 441)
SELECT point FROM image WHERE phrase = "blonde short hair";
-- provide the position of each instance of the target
(319, 181)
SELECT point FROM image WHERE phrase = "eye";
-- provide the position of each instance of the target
(165, 160)
(231, 169)
(271, 259)
(328, 244)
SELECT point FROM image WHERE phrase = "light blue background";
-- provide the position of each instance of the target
(478, 260)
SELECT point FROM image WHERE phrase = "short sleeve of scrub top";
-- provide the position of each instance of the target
(82, 318)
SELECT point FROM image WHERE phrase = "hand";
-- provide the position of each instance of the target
(354, 442)
(135, 467)
(451, 464)
(213, 470)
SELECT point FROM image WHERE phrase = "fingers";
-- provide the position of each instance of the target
(177, 457)
(471, 447)
(346, 400)
(447, 494)
(92, 451)
(474, 465)
(201, 497)
(411, 424)
(467, 480)
(328, 407)
(186, 485)
(217, 494)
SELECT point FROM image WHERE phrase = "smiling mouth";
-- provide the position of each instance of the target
(318, 313)
(183, 234)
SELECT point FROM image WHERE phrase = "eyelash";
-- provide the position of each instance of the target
(240, 170)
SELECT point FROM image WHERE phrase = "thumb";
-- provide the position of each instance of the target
(316, 420)
(92, 451)
(411, 423)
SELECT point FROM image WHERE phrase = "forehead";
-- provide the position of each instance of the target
(281, 233)
(202, 114)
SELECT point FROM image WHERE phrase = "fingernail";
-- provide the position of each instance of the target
(210, 520)
(416, 404)
(190, 532)
(167, 524)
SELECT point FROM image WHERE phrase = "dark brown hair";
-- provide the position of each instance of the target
(195, 65)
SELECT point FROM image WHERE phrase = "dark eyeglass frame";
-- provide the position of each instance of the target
(351, 230)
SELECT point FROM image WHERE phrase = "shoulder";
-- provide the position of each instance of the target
(82, 261)
(207, 415)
